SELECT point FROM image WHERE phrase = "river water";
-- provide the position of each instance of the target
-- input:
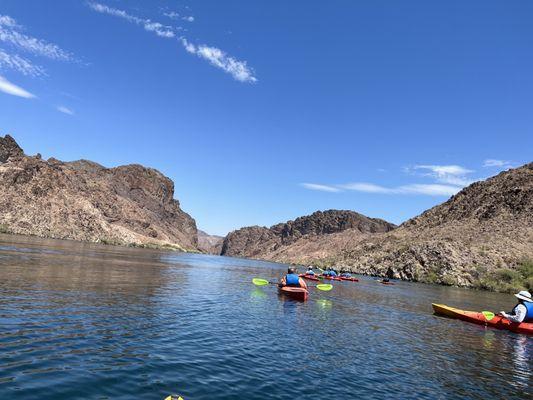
(82, 321)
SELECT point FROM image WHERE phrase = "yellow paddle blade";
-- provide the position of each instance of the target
(260, 282)
(326, 287)
(488, 315)
(173, 397)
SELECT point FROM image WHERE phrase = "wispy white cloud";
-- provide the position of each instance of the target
(10, 34)
(447, 174)
(366, 187)
(19, 64)
(321, 188)
(149, 25)
(12, 37)
(429, 189)
(215, 56)
(449, 179)
(65, 110)
(218, 58)
(424, 189)
(176, 16)
(14, 90)
(492, 163)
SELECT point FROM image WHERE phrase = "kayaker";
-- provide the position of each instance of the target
(523, 311)
(310, 270)
(292, 279)
(346, 275)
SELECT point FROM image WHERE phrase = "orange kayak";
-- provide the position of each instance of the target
(309, 277)
(296, 293)
(498, 321)
(351, 279)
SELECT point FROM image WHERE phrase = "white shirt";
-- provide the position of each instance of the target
(520, 312)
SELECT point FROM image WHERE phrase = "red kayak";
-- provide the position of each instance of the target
(296, 293)
(497, 321)
(309, 277)
(331, 278)
(344, 278)
(386, 283)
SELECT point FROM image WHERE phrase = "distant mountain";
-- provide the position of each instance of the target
(482, 234)
(82, 200)
(301, 237)
(210, 244)
(481, 237)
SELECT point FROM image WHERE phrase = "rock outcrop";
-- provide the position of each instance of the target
(83, 200)
(290, 239)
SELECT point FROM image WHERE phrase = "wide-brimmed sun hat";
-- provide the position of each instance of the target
(524, 295)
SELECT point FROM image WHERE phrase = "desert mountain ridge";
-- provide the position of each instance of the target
(82, 200)
(481, 237)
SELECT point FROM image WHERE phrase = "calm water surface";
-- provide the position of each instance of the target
(80, 321)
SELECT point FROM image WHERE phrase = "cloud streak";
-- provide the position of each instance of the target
(10, 34)
(65, 110)
(12, 37)
(321, 188)
(446, 174)
(149, 25)
(492, 163)
(218, 58)
(448, 180)
(14, 90)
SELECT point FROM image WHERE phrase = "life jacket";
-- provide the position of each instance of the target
(529, 309)
(292, 280)
(310, 272)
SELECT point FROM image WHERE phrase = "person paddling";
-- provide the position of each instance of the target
(292, 279)
(310, 270)
(523, 311)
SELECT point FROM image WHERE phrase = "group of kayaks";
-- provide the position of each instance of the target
(317, 278)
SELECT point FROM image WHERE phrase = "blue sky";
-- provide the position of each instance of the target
(265, 111)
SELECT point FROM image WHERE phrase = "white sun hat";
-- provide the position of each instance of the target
(524, 295)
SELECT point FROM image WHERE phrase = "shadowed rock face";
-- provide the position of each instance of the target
(83, 200)
(9, 148)
(279, 240)
(210, 244)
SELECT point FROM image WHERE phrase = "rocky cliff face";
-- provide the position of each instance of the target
(82, 200)
(282, 241)
(210, 244)
(486, 227)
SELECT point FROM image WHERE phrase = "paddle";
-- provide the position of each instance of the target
(488, 315)
(173, 397)
(264, 282)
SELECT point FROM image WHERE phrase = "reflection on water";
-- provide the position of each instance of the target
(81, 321)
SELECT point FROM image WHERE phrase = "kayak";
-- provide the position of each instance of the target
(386, 283)
(343, 278)
(296, 293)
(309, 277)
(478, 318)
(331, 278)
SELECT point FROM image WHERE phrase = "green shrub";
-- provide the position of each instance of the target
(509, 280)
(4, 228)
